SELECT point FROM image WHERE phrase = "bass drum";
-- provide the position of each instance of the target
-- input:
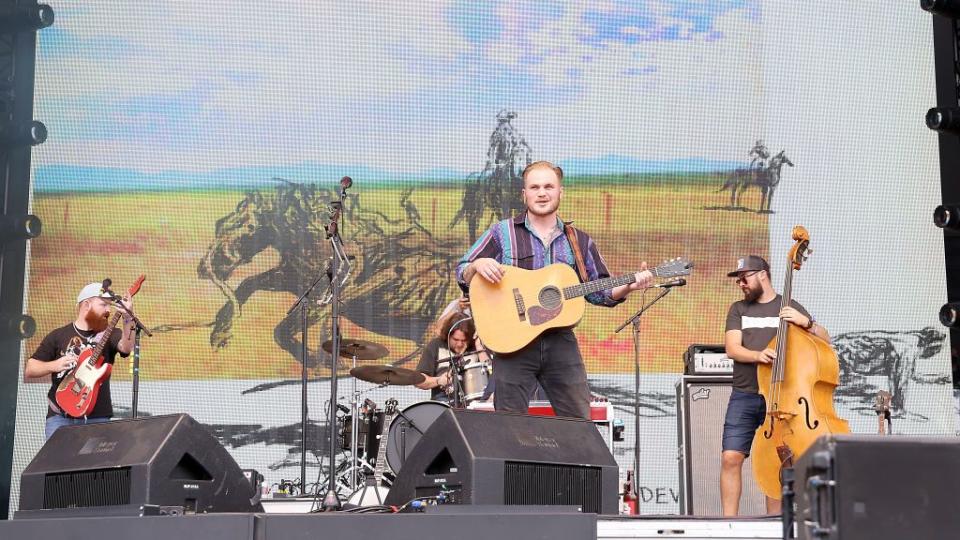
(407, 428)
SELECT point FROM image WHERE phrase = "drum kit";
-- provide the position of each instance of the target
(382, 438)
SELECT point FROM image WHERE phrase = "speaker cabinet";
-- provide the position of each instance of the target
(490, 458)
(702, 403)
(869, 486)
(169, 461)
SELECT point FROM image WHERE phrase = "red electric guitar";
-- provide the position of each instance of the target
(77, 393)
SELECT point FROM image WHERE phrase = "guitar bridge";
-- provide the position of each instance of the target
(521, 307)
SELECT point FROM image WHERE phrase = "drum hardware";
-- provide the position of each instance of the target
(373, 493)
(355, 411)
(373, 419)
(368, 426)
(388, 375)
(357, 349)
(470, 381)
(474, 378)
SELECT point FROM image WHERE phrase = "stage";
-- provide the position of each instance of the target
(463, 523)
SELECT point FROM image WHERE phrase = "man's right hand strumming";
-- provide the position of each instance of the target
(490, 269)
(36, 368)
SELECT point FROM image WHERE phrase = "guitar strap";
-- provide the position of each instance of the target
(577, 254)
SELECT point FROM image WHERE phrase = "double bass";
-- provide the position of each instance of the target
(798, 388)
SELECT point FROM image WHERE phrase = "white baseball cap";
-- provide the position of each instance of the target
(92, 290)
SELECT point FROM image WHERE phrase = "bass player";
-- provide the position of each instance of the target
(751, 324)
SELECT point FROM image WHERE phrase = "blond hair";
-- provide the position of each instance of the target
(543, 165)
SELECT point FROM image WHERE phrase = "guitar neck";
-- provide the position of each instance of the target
(104, 339)
(597, 285)
(382, 449)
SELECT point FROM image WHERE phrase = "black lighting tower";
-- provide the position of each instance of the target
(19, 22)
(945, 119)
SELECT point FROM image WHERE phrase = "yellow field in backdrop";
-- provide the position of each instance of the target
(87, 237)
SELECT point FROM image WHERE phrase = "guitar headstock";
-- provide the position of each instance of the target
(800, 251)
(881, 403)
(135, 288)
(681, 266)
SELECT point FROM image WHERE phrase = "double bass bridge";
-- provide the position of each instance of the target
(777, 416)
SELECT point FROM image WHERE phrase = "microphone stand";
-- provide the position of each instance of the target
(303, 304)
(135, 366)
(634, 320)
(340, 264)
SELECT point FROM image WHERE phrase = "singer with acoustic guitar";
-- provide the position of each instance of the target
(58, 354)
(533, 240)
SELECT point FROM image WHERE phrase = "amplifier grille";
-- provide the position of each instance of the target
(99, 487)
(552, 484)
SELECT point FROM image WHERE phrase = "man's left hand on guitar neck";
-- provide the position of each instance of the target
(642, 280)
(125, 345)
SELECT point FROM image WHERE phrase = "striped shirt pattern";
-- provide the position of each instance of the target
(513, 242)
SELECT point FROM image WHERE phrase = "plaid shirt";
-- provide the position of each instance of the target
(513, 242)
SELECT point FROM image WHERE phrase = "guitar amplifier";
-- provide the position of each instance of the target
(702, 406)
(707, 360)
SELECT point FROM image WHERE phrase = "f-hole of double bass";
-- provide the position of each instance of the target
(767, 433)
(806, 414)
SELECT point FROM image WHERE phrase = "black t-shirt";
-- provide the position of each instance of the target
(759, 323)
(434, 361)
(69, 338)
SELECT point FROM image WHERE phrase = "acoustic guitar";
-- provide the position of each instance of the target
(78, 391)
(526, 303)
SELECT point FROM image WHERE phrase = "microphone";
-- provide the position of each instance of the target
(345, 183)
(679, 282)
(106, 284)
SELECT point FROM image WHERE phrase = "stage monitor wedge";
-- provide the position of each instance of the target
(479, 457)
(117, 467)
(865, 487)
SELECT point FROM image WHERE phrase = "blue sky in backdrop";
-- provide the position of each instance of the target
(170, 94)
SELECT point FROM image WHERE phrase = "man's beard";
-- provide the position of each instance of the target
(95, 322)
(752, 294)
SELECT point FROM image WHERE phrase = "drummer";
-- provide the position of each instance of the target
(455, 335)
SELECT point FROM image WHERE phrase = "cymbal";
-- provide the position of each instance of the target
(388, 375)
(363, 350)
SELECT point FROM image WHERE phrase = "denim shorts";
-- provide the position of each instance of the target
(58, 421)
(745, 413)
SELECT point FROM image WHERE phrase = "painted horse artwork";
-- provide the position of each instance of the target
(493, 193)
(399, 283)
(766, 178)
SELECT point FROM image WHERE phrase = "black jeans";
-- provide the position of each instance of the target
(554, 360)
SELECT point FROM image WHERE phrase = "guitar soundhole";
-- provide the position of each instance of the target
(550, 297)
